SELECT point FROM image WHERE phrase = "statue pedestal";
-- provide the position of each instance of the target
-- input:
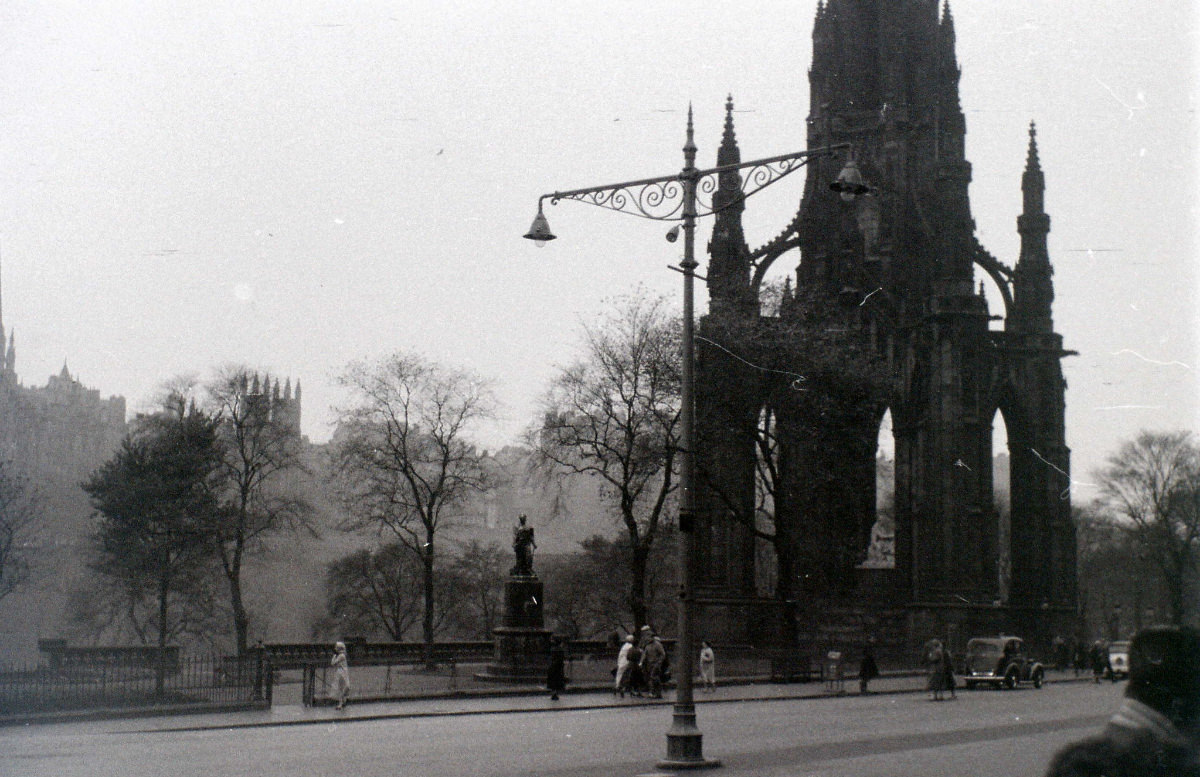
(521, 641)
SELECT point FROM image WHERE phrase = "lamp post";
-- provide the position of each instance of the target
(684, 197)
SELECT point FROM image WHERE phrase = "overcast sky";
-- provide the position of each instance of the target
(294, 185)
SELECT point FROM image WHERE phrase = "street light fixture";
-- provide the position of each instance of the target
(684, 197)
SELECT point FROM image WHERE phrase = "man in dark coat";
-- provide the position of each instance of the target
(556, 674)
(1156, 732)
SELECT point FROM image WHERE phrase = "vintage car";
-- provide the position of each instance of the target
(1118, 660)
(1000, 662)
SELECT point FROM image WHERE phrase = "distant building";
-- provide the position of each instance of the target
(62, 426)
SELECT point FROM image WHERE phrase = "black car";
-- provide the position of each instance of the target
(1000, 662)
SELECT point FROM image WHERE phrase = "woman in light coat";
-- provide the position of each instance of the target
(341, 676)
(623, 662)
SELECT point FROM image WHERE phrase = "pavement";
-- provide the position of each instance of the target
(499, 701)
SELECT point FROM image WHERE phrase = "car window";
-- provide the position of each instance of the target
(983, 648)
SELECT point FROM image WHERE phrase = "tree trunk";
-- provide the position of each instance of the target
(637, 585)
(427, 582)
(241, 619)
(164, 591)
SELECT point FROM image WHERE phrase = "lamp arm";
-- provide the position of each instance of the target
(661, 198)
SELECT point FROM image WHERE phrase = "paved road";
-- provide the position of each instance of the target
(983, 733)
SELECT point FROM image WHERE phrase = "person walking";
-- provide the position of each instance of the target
(708, 669)
(341, 675)
(620, 676)
(556, 674)
(1099, 660)
(1156, 731)
(652, 664)
(868, 670)
(948, 682)
(937, 673)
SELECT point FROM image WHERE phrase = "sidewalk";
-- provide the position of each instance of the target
(498, 701)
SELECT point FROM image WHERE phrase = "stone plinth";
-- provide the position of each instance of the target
(521, 641)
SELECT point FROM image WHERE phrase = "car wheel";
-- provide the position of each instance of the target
(1037, 679)
(1010, 680)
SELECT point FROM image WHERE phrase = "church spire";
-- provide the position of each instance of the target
(729, 264)
(1033, 287)
(728, 153)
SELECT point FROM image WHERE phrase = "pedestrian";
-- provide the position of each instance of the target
(556, 674)
(1156, 731)
(1079, 657)
(868, 670)
(1098, 656)
(948, 672)
(937, 672)
(708, 668)
(341, 674)
(652, 664)
(620, 675)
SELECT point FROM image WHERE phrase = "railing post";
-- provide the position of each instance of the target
(308, 687)
(258, 671)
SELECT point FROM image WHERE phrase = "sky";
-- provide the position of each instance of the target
(296, 185)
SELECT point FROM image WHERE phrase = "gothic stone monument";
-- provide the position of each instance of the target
(521, 641)
(884, 293)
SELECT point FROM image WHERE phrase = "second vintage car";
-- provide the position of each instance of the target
(1000, 662)
(1118, 660)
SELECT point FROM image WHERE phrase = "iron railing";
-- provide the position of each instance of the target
(186, 681)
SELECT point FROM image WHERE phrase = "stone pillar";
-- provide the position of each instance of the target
(521, 641)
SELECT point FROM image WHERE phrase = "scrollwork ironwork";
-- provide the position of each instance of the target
(663, 198)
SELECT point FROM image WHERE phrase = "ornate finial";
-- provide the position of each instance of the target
(1032, 160)
(689, 148)
(728, 153)
(946, 15)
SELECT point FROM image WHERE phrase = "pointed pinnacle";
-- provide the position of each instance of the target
(1032, 160)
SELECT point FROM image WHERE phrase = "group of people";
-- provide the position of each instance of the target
(642, 666)
(940, 665)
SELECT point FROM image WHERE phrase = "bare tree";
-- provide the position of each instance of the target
(405, 462)
(614, 415)
(18, 517)
(370, 591)
(1151, 488)
(259, 448)
(479, 572)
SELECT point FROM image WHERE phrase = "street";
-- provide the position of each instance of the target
(984, 733)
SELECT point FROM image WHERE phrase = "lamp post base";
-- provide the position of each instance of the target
(685, 744)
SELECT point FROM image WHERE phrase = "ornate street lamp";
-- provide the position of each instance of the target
(684, 197)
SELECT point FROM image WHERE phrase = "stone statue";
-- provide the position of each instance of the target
(523, 546)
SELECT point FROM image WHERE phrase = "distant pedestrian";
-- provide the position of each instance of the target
(948, 672)
(556, 675)
(1078, 656)
(1098, 657)
(937, 672)
(653, 659)
(1156, 732)
(620, 676)
(868, 670)
(341, 675)
(708, 666)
